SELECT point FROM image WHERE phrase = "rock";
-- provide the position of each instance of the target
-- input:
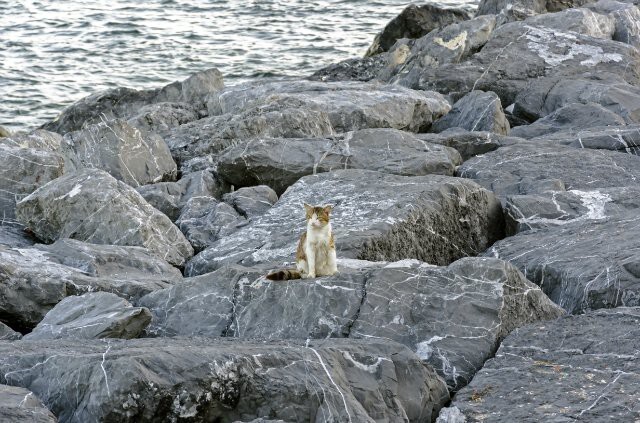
(626, 19)
(204, 220)
(454, 317)
(495, 7)
(18, 405)
(225, 380)
(415, 21)
(623, 139)
(518, 52)
(252, 202)
(206, 183)
(544, 96)
(22, 171)
(13, 234)
(532, 168)
(356, 69)
(38, 139)
(469, 143)
(575, 368)
(8, 334)
(451, 415)
(93, 315)
(126, 102)
(554, 259)
(476, 111)
(582, 21)
(574, 117)
(31, 284)
(79, 204)
(162, 117)
(279, 163)
(164, 196)
(433, 218)
(4, 132)
(129, 155)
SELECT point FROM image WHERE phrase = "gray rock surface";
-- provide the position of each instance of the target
(476, 111)
(13, 234)
(583, 21)
(252, 202)
(623, 139)
(164, 196)
(128, 154)
(279, 163)
(127, 102)
(414, 22)
(433, 218)
(8, 334)
(162, 117)
(626, 19)
(362, 69)
(495, 7)
(577, 368)
(226, 380)
(18, 405)
(93, 315)
(469, 143)
(79, 204)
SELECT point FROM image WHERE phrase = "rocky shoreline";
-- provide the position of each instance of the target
(484, 173)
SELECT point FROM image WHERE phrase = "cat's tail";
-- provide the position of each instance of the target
(284, 275)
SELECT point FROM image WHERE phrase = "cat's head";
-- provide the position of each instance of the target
(318, 216)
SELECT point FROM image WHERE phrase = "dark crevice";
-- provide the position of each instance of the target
(229, 331)
(346, 331)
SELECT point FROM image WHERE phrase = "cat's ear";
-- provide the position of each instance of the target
(327, 209)
(307, 207)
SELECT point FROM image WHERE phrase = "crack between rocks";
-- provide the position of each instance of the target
(346, 332)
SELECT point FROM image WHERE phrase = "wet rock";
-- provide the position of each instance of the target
(415, 21)
(279, 163)
(79, 205)
(252, 202)
(476, 111)
(93, 315)
(162, 117)
(204, 220)
(573, 117)
(8, 334)
(126, 102)
(574, 368)
(433, 218)
(469, 143)
(626, 19)
(18, 405)
(126, 153)
(227, 380)
(530, 168)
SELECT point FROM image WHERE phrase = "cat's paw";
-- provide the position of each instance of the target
(311, 275)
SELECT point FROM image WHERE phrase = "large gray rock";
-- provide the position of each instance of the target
(18, 405)
(520, 51)
(453, 317)
(433, 218)
(92, 316)
(127, 102)
(22, 171)
(8, 334)
(623, 139)
(573, 117)
(279, 163)
(90, 205)
(31, 284)
(128, 154)
(13, 234)
(626, 19)
(583, 21)
(253, 201)
(146, 380)
(469, 143)
(476, 111)
(531, 168)
(162, 117)
(495, 7)
(577, 368)
(414, 22)
(364, 69)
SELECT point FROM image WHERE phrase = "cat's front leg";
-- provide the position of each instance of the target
(311, 262)
(332, 264)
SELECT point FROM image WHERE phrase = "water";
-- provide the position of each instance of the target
(55, 52)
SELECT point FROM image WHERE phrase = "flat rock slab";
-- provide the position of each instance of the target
(581, 265)
(469, 143)
(251, 201)
(19, 405)
(165, 379)
(577, 368)
(532, 168)
(127, 153)
(476, 111)
(93, 315)
(622, 139)
(437, 219)
(453, 317)
(13, 234)
(279, 163)
(90, 205)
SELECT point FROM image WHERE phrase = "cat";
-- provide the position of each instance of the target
(316, 253)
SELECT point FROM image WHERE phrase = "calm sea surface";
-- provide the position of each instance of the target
(55, 52)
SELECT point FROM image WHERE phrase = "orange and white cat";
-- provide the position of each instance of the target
(316, 253)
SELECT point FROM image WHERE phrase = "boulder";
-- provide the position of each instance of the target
(4, 132)
(162, 117)
(437, 219)
(90, 205)
(93, 315)
(164, 196)
(279, 163)
(623, 139)
(19, 405)
(13, 234)
(583, 21)
(476, 111)
(126, 153)
(251, 202)
(8, 334)
(575, 368)
(495, 7)
(415, 21)
(626, 19)
(532, 167)
(573, 117)
(361, 69)
(127, 102)
(225, 380)
(469, 143)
